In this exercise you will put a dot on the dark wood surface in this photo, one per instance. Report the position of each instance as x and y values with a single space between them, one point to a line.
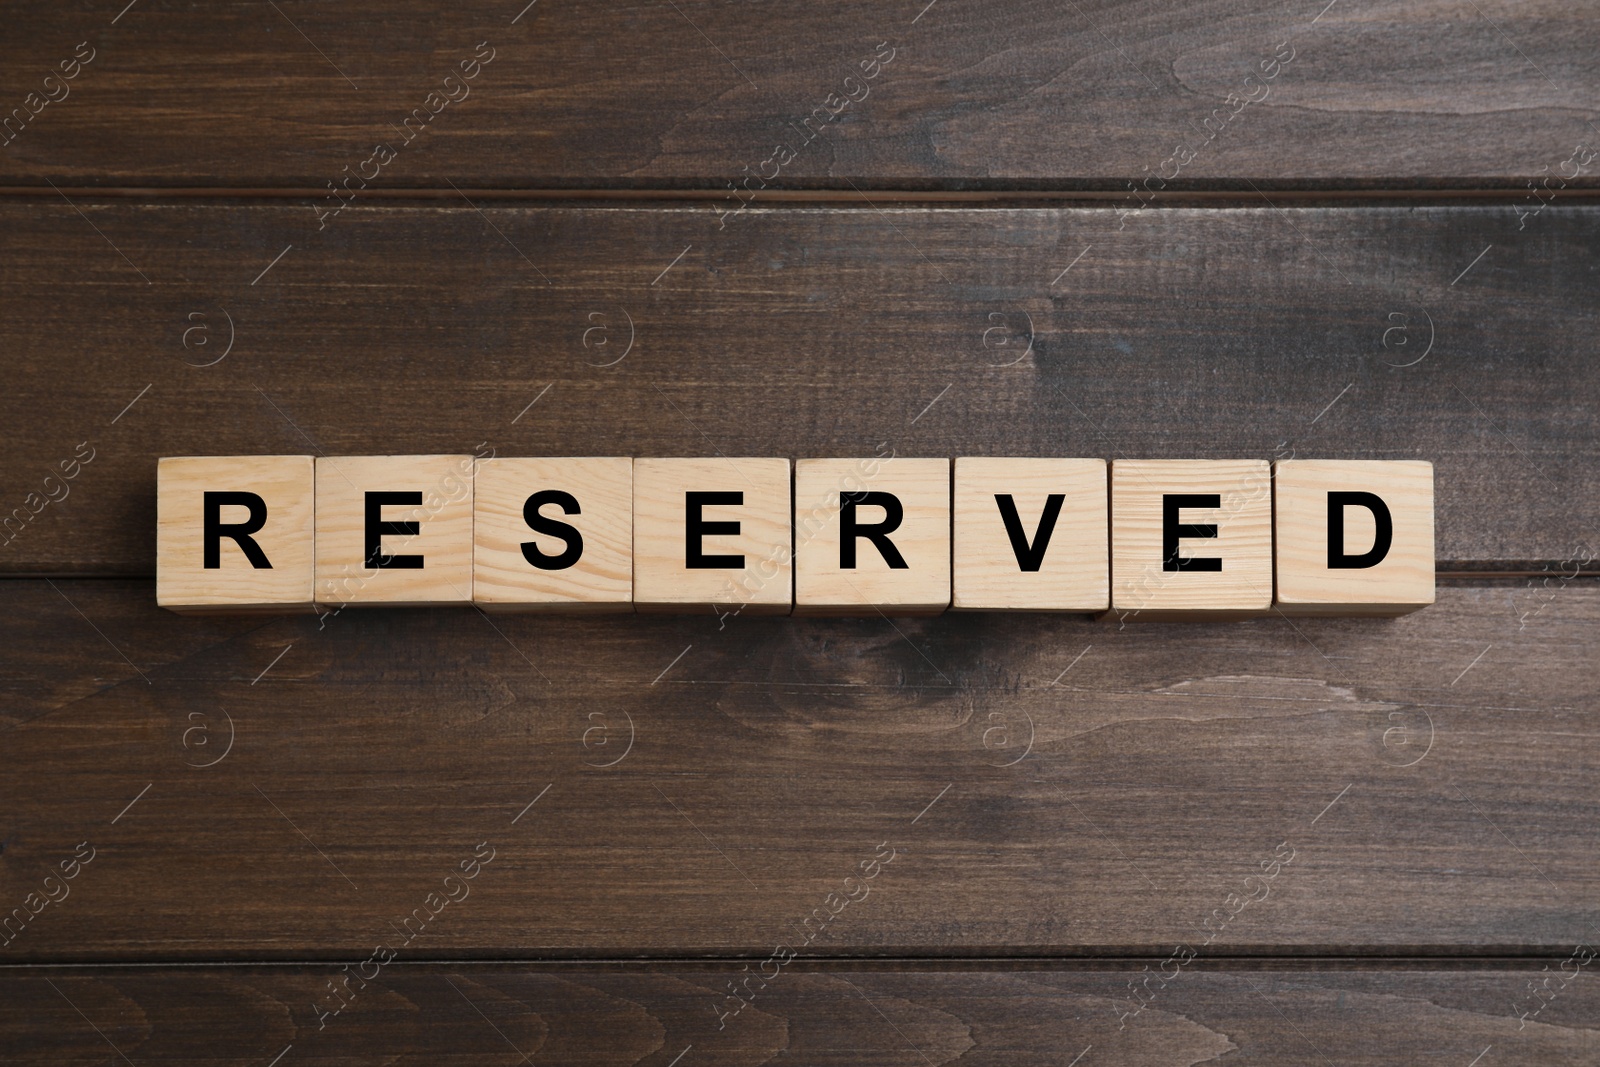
1047 786
842 1014
997 95
1362 841
1422 332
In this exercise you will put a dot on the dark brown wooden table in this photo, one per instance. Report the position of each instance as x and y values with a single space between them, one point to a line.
1346 230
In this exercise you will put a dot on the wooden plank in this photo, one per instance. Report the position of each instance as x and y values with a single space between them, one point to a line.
840 1014
972 784
1095 94
1356 333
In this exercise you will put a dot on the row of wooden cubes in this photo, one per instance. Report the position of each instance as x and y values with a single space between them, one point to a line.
1147 539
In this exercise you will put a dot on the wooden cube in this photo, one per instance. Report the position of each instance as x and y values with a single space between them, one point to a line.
712 534
1031 535
553 535
235 534
872 536
1354 537
394 531
1190 539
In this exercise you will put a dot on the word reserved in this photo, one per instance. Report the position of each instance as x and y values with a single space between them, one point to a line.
1145 539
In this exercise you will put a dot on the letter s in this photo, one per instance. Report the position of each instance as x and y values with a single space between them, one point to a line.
568 534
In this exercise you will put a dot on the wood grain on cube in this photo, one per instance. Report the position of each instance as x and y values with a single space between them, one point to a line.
1220 565
581 561
1384 563
897 561
430 566
1030 535
264 563
738 556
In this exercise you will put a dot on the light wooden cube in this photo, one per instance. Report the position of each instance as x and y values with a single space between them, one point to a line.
1190 538
360 499
261 530
892 564
712 534
1031 535
553 535
1364 574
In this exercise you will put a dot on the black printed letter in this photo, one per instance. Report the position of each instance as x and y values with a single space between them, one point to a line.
377 528
1337 559
696 528
1029 557
876 532
554 528
215 529
1172 531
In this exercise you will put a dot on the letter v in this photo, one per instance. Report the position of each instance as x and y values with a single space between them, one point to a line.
1029 556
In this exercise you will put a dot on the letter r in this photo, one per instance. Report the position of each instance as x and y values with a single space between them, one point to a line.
213 529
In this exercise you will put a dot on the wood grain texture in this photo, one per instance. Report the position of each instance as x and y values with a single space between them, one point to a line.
891 1013
1303 510
1230 516
284 535
428 518
747 524
704 795
1318 333
598 513
1070 554
678 786
863 570
1019 93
